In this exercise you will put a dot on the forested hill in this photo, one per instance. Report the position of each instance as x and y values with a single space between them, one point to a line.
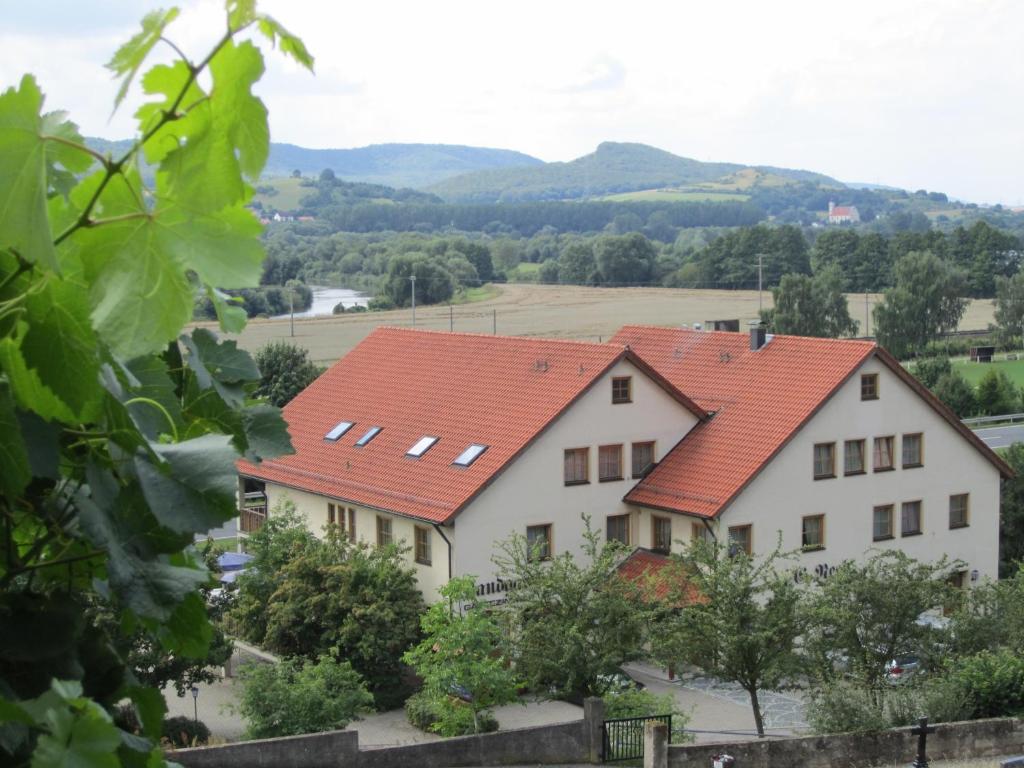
615 168
393 165
390 165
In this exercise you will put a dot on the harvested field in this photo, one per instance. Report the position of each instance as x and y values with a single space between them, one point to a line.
573 312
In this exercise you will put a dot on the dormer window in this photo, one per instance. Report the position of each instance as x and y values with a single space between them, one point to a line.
339 429
622 390
423 445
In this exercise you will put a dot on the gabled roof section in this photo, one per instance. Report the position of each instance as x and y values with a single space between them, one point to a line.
652 572
760 400
464 389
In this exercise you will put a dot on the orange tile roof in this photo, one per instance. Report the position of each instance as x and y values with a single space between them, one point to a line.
648 570
497 391
760 399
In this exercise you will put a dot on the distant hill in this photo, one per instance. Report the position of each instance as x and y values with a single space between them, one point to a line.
390 165
612 169
393 165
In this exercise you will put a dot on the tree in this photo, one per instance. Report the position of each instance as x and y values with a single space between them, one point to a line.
742 624
866 613
297 696
990 615
119 435
1009 311
811 306
624 259
928 370
997 394
434 283
577 265
924 302
1011 521
574 623
285 370
332 595
955 391
458 654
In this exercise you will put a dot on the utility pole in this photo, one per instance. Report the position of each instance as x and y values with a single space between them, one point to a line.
451 318
495 326
412 279
867 316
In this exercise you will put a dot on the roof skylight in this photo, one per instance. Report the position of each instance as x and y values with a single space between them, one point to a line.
469 455
422 446
371 433
339 429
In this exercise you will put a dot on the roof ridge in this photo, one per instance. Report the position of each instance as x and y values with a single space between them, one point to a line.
520 337
710 332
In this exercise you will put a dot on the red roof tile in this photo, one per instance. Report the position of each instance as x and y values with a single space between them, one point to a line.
648 570
497 391
760 399
842 210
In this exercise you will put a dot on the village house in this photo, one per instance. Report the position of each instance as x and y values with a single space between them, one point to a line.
452 442
842 214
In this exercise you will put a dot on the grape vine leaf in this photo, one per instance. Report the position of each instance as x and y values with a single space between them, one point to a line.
221 365
129 57
13 454
24 225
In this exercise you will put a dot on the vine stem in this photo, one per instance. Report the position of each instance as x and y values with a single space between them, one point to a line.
159 407
103 159
113 167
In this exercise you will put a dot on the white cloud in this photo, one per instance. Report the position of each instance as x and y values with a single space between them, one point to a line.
920 93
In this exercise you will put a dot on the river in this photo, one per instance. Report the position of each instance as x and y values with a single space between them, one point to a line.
325 299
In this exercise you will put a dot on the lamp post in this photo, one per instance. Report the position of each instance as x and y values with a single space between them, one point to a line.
195 703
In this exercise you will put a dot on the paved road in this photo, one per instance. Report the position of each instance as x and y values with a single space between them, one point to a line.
1001 437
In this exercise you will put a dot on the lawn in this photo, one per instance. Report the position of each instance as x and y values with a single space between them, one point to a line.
974 371
289 193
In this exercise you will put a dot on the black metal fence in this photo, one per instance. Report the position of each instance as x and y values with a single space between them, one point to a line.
623 738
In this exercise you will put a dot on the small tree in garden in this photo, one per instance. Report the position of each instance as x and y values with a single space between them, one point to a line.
459 658
285 370
737 619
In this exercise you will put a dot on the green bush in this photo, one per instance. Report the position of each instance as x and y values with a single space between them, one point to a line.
295 697
843 707
994 681
425 712
637 702
185 732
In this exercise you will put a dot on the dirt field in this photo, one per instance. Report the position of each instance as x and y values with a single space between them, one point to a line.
547 310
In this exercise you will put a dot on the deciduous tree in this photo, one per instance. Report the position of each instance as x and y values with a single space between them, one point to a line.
811 306
285 370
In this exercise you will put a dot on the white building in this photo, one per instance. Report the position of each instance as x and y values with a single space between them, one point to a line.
452 442
842 214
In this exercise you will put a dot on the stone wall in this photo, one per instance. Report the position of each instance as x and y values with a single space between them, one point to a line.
977 738
575 742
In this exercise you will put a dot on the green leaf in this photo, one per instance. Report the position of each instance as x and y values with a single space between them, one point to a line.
150 705
129 57
232 317
168 81
290 44
42 444
81 738
222 365
188 632
266 433
153 385
222 248
24 225
13 454
63 162
29 391
60 339
196 490
221 137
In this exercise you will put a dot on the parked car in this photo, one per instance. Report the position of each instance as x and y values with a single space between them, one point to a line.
902 668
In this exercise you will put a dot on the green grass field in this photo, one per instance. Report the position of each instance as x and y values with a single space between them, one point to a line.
676 196
289 193
974 371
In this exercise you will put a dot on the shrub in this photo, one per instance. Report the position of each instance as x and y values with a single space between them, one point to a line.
843 707
295 697
425 712
185 732
636 702
994 681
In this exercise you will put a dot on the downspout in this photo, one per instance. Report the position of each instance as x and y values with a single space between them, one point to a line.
440 532
710 529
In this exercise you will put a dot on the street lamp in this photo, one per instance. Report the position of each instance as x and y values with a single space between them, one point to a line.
195 703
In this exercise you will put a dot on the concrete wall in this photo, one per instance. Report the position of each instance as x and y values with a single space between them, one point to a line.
316 750
574 742
314 508
532 490
786 490
978 738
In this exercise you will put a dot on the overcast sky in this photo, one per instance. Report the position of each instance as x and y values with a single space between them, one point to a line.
917 94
